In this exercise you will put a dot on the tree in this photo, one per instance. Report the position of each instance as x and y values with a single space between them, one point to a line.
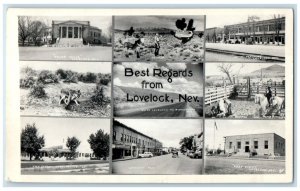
72 144
37 30
24 28
99 143
186 143
227 69
31 142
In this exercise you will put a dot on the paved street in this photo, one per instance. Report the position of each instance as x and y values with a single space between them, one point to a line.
228 165
64 167
95 53
164 164
247 53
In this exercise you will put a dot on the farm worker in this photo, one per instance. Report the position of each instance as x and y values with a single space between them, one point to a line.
157 46
269 95
229 111
140 44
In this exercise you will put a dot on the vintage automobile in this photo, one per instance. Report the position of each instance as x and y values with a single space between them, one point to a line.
196 155
145 155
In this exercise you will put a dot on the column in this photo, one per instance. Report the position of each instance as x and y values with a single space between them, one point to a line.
78 32
67 32
72 32
61 32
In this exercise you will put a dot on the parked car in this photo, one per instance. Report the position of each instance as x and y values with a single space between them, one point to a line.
196 155
146 155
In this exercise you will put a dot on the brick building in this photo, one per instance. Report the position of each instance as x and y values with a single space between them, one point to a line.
270 31
128 142
267 144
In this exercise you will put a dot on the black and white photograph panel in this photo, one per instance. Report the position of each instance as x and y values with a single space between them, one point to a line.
64 146
76 38
244 147
245 90
158 89
159 38
73 89
247 37
157 146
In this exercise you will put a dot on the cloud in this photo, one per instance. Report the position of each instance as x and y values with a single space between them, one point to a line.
118 69
176 66
117 82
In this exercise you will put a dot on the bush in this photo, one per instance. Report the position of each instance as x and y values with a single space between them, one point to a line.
88 77
99 96
47 77
27 82
67 76
38 91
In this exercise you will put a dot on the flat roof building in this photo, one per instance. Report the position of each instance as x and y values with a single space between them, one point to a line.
271 31
267 144
128 142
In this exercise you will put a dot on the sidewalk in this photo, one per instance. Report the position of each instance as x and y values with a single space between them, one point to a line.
247 158
276 51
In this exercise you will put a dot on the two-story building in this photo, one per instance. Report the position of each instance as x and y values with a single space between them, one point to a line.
128 142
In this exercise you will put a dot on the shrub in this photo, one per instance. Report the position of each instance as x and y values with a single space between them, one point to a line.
27 82
29 71
62 74
88 77
47 77
38 91
99 96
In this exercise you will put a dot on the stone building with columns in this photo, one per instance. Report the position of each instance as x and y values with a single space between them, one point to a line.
75 33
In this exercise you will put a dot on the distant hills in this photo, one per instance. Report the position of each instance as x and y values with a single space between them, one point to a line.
152 30
274 70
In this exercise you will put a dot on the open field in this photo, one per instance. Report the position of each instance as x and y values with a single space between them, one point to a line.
228 165
171 49
86 53
40 93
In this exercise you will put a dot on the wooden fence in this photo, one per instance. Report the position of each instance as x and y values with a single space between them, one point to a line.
245 90
214 94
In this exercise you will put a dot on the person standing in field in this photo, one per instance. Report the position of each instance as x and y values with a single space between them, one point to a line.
269 95
157 45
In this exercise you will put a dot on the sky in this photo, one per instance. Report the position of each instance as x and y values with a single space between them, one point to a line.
81 67
184 85
239 127
57 130
220 20
212 68
102 22
167 131
125 22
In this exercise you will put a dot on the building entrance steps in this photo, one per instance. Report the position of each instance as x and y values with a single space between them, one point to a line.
70 42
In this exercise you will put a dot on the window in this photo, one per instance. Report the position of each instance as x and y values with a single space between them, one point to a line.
122 137
239 145
255 144
247 142
266 144
114 135
230 145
